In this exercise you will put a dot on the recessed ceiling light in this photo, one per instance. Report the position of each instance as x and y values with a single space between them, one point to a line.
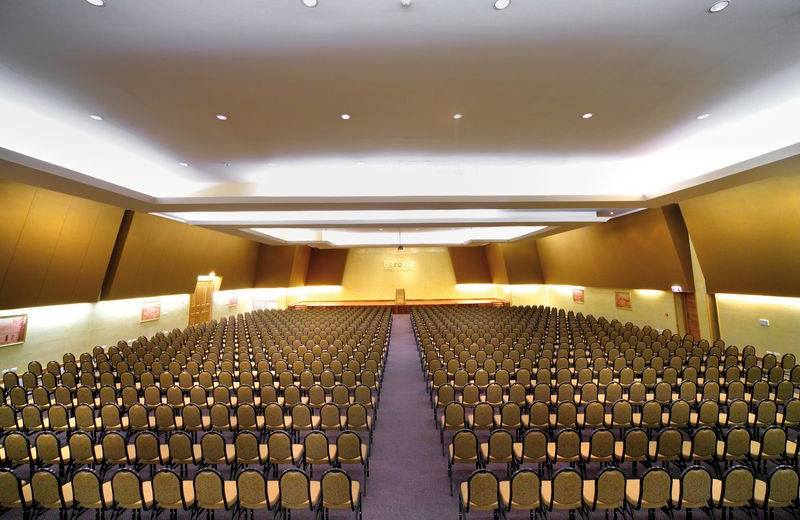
610 212
405 3
96 117
97 3
222 117
587 115
309 3
345 116
183 164
719 6
703 116
501 4
458 116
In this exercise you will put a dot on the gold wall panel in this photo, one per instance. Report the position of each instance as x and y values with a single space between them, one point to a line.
470 264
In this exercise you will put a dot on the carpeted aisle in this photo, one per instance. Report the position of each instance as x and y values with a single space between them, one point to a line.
408 474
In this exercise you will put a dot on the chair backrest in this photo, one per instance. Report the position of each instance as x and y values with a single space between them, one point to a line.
348 445
609 489
656 488
738 484
127 489
465 444
566 489
782 487
695 488
209 489
168 489
251 488
525 488
483 490
295 489
10 488
337 489
46 489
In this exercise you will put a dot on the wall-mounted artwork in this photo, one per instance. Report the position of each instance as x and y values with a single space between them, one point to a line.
13 329
577 295
623 300
233 300
151 311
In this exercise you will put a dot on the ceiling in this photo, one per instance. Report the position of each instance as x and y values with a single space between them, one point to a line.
158 73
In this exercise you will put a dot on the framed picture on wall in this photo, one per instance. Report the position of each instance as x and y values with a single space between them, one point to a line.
233 300
151 311
577 295
13 329
623 299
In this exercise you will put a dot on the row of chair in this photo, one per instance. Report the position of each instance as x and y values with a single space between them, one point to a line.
612 491
207 492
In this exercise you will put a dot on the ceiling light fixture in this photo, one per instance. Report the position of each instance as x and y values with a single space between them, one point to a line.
222 117
96 117
345 116
97 3
458 116
405 3
587 115
183 164
703 116
501 4
309 3
719 6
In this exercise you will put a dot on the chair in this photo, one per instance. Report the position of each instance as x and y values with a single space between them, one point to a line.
564 492
522 493
330 418
172 494
298 492
318 451
281 451
339 491
214 451
692 491
779 491
633 448
464 449
248 451
652 492
481 492
91 493
350 450
532 449
15 493
606 492
48 492
213 493
182 452
499 450
735 490
131 493
600 447
49 451
482 417
17 450
255 492
566 448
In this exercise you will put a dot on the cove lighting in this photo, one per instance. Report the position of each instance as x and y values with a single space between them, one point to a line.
428 237
649 292
719 6
758 299
96 117
501 4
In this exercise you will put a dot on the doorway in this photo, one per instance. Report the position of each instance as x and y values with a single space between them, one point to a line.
201 300
688 313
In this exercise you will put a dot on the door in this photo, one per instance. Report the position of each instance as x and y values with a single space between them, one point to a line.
691 322
200 302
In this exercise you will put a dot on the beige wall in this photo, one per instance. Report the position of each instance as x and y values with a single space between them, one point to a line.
738 322
79 327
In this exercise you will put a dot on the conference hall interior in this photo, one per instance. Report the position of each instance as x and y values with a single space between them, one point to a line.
399 259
